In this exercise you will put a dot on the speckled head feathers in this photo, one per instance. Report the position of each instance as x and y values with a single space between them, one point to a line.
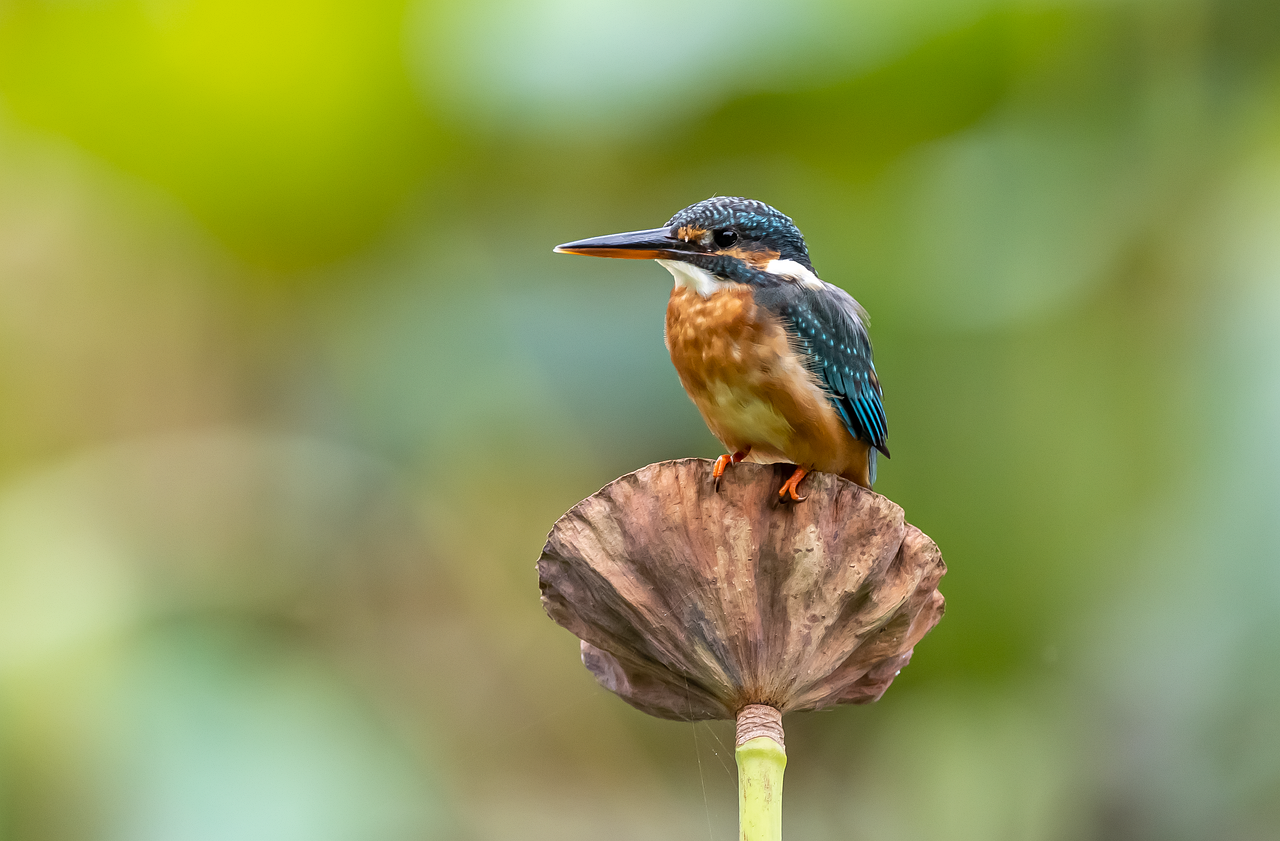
754 221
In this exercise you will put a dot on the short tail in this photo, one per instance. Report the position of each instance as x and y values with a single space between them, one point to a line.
871 466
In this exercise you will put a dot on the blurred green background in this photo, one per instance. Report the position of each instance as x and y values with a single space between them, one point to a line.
292 388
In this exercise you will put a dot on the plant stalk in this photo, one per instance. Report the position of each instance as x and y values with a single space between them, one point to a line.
761 760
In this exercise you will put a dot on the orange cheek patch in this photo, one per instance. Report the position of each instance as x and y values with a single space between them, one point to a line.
756 258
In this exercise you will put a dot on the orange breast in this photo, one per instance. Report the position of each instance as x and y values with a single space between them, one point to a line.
752 388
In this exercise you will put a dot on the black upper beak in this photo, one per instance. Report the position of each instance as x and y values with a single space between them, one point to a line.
654 244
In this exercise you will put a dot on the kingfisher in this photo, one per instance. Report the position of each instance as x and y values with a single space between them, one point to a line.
777 361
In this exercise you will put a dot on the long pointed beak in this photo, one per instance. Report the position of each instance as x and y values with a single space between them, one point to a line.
654 244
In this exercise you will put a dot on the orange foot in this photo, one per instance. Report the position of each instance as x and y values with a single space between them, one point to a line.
723 462
789 488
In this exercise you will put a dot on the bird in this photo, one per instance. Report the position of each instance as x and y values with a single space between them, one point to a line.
777 360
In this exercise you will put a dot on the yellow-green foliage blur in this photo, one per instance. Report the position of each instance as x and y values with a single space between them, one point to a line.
292 388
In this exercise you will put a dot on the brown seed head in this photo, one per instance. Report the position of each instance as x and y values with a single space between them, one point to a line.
692 604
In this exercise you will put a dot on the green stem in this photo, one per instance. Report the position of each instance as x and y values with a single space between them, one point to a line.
760 764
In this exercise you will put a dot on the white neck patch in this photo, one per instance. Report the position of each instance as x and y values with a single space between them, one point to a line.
692 277
792 269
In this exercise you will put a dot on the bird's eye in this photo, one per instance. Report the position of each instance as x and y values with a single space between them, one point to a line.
726 238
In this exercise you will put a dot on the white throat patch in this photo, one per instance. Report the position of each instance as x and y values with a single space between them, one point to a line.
692 277
705 284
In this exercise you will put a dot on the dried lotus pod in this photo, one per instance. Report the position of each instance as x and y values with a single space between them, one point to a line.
694 604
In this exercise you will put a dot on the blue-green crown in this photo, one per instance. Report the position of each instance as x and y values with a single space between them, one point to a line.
754 221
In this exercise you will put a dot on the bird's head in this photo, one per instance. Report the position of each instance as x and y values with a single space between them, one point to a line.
713 242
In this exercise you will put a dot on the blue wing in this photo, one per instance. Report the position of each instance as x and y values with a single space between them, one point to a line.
828 327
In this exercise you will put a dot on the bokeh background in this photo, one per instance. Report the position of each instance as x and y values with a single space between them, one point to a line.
292 388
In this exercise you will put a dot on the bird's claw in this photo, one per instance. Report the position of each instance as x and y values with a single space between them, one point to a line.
789 492
723 462
717 469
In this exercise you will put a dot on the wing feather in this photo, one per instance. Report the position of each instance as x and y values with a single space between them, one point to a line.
829 328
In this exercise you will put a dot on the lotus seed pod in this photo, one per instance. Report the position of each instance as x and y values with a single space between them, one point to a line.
693 604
